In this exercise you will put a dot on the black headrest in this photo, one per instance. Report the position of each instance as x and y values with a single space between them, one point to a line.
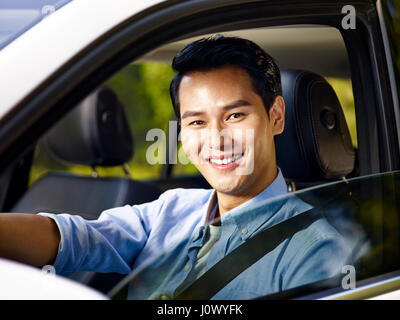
94 133
316 143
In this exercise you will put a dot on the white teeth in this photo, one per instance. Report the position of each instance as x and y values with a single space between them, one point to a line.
226 160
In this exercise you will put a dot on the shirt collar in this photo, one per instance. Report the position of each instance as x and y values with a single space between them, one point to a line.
250 221
276 188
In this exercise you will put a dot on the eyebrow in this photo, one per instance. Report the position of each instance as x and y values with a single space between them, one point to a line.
233 105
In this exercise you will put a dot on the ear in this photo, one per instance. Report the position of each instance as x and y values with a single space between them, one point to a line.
277 115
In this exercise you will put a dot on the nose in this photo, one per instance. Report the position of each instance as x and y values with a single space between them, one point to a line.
219 137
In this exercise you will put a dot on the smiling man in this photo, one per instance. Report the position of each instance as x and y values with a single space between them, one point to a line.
227 96
223 100
226 93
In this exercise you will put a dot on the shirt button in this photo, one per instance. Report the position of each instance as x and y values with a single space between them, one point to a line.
187 267
244 231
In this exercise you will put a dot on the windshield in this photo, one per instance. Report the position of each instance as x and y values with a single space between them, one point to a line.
318 238
16 17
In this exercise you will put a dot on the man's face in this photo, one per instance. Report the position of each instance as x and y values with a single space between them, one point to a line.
226 131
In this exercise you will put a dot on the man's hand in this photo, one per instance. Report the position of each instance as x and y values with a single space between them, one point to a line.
28 238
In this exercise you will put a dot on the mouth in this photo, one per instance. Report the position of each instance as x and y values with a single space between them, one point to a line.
225 162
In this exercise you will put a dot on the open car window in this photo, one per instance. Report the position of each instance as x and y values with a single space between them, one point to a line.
354 237
143 90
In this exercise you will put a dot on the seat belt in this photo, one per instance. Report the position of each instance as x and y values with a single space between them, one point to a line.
241 258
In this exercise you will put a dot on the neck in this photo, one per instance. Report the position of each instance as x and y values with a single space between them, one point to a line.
227 202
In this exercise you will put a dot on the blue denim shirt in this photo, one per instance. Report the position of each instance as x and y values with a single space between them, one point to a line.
160 241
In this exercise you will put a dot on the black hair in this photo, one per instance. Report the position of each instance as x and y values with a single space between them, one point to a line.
218 51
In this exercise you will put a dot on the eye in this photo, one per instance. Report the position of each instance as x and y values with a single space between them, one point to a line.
235 115
196 123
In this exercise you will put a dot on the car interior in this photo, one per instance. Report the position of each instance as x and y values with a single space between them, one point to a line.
316 146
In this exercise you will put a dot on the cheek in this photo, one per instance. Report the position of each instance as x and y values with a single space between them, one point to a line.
264 145
253 137
263 140
191 143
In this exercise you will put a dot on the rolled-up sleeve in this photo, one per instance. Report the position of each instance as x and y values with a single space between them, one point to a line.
109 244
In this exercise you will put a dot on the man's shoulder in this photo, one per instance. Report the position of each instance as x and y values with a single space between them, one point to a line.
319 230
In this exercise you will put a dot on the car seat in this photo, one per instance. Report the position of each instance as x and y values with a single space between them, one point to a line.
315 146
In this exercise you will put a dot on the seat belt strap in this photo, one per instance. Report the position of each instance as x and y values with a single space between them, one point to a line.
241 258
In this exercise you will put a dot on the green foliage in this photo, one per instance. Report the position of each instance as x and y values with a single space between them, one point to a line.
344 92
144 92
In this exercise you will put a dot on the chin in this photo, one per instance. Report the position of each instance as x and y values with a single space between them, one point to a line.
228 187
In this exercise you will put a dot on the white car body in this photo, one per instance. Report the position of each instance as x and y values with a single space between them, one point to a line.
22 282
45 48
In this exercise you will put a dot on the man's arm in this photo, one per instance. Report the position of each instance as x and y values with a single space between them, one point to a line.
28 238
